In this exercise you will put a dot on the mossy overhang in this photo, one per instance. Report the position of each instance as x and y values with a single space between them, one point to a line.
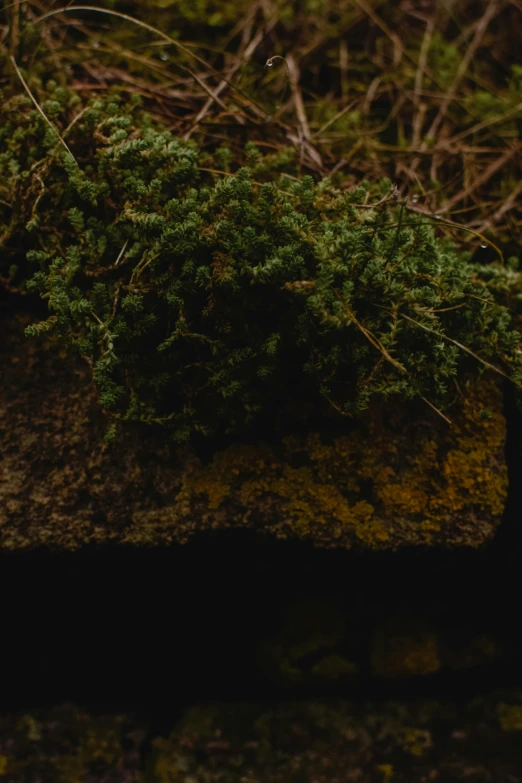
417 482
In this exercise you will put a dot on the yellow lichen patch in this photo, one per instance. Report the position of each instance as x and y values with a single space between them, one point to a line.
373 534
332 462
510 716
215 480
414 741
101 744
468 477
257 471
167 766
402 648
410 495
436 479
415 482
306 500
386 771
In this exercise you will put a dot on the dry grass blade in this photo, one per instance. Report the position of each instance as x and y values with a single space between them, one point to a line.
370 337
122 251
459 345
445 222
421 68
482 178
490 12
377 344
38 107
15 26
186 50
506 206
250 49
293 72
398 49
437 411
303 140
333 119
482 125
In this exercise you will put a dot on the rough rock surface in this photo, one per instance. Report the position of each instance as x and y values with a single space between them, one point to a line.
382 485
310 741
68 745
343 742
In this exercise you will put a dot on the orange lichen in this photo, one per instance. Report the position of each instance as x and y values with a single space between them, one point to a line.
216 480
376 486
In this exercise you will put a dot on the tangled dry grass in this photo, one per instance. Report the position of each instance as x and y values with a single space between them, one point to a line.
428 94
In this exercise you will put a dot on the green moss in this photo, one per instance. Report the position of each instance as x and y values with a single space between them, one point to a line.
381 133
199 299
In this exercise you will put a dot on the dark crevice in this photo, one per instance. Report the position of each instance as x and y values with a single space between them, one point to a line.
506 547
153 630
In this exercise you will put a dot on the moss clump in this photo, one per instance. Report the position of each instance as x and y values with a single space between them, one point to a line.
200 299
404 648
304 651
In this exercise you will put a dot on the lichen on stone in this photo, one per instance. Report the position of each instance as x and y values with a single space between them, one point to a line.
375 486
380 485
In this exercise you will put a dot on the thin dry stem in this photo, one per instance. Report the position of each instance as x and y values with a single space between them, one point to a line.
490 12
39 108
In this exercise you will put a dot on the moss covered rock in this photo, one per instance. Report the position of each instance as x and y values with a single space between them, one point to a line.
309 359
422 741
69 745
385 483
209 303
307 740
379 486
